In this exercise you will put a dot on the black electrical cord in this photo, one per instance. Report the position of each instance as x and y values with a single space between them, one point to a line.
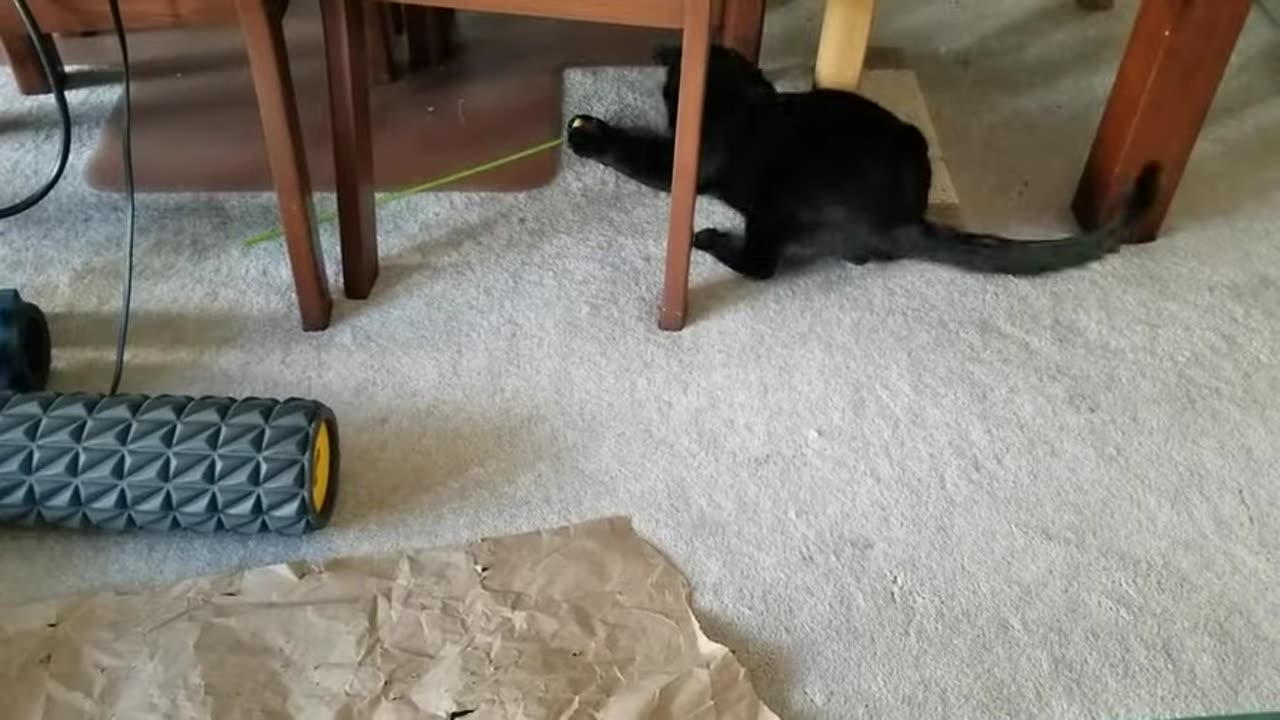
126 301
64 154
64 114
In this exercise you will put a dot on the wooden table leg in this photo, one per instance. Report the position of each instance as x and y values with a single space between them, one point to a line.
260 21
741 27
345 54
842 45
695 52
28 73
1176 56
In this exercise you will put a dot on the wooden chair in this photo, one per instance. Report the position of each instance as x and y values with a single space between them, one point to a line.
345 40
261 23
408 39
428 34
28 74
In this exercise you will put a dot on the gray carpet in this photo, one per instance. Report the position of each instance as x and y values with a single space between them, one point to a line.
899 490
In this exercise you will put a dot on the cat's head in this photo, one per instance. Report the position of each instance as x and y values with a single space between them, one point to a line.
734 84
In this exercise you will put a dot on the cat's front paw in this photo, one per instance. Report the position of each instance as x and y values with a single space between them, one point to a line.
588 136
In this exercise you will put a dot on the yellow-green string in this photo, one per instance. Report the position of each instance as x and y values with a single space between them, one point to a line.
327 217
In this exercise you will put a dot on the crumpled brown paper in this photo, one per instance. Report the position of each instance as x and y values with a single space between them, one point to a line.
587 621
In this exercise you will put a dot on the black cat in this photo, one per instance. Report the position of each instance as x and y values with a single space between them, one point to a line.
830 171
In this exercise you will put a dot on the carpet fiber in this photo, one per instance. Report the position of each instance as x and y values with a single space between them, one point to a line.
898 490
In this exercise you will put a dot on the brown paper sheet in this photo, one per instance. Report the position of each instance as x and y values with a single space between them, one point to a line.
588 621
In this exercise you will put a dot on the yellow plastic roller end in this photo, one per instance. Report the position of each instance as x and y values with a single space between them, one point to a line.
320 469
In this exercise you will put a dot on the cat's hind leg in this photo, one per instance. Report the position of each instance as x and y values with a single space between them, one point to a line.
859 244
754 254
862 256
643 156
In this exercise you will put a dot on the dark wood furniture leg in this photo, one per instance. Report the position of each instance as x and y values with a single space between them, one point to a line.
260 21
28 74
430 34
742 26
1176 56
347 60
1096 4
380 39
696 49
395 11
442 25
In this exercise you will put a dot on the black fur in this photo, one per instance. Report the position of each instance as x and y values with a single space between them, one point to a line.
830 171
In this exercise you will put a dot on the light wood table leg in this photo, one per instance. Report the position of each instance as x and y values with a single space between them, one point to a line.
842 48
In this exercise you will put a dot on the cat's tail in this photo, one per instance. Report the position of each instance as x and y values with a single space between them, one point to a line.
997 254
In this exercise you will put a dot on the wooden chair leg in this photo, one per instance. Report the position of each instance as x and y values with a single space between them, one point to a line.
380 41
430 34
347 58
695 51
442 24
269 62
395 14
742 26
1175 58
28 73
842 46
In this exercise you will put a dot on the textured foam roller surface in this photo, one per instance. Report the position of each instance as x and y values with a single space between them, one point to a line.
166 462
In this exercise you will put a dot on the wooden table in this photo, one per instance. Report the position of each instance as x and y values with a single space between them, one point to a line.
1171 69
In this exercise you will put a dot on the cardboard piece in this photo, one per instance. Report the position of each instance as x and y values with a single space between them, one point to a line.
588 621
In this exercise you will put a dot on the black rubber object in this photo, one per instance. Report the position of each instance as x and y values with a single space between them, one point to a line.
122 462
24 344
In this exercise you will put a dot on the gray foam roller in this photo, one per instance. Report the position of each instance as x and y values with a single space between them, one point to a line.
122 462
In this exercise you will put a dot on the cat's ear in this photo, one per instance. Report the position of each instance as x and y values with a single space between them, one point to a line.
667 55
